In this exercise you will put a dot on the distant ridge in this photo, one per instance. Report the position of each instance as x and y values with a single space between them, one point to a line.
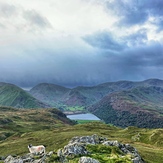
12 95
61 97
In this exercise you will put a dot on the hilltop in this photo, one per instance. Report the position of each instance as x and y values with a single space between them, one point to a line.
12 95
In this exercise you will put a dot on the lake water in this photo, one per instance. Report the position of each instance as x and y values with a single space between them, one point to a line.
87 116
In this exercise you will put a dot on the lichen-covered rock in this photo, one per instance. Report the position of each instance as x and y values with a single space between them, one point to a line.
74 149
93 139
87 160
77 146
11 159
126 149
112 143
28 158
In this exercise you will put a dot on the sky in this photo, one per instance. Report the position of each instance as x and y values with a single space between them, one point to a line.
80 42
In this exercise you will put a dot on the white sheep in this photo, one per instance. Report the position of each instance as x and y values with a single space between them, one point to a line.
36 149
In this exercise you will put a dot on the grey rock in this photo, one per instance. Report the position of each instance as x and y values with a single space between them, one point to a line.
126 149
112 143
94 139
87 160
26 158
137 160
11 159
74 149
50 153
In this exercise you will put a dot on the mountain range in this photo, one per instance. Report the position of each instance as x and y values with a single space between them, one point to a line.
81 96
122 103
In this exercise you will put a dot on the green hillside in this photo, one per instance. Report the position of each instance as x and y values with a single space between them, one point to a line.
11 95
49 93
141 106
14 122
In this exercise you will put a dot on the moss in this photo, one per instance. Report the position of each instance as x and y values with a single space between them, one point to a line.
107 154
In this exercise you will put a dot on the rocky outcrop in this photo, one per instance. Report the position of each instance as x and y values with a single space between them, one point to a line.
93 139
77 146
28 158
126 149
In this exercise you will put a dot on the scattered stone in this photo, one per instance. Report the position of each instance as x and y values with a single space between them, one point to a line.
87 160
50 153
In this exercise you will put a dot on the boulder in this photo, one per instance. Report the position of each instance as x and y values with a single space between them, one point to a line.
126 149
87 160
11 159
26 158
74 149
93 139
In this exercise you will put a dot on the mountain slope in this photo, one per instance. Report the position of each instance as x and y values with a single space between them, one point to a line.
141 106
11 95
49 93
14 120
80 97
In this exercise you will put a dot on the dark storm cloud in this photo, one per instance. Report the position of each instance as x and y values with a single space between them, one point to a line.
34 18
154 7
136 12
65 67
136 63
136 38
150 55
72 68
139 59
104 40
130 12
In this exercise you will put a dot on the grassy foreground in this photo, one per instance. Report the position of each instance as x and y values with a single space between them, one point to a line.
147 142
18 128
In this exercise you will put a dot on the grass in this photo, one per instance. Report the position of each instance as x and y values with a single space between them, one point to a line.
107 154
18 128
85 121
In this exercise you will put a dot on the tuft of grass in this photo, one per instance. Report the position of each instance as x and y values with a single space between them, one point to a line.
107 154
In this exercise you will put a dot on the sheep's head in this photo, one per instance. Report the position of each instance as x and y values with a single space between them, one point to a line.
30 145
